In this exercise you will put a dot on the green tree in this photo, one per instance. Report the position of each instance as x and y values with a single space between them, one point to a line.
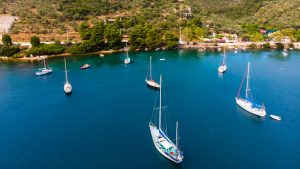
113 37
171 40
266 45
153 38
297 35
9 50
277 36
279 46
97 36
138 36
6 40
256 37
35 41
85 31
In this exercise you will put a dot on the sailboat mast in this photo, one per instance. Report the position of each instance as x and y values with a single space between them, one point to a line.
126 50
180 34
150 68
248 80
177 134
159 124
224 57
44 63
66 73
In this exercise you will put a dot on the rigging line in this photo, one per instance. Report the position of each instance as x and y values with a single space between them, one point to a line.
147 72
242 82
154 108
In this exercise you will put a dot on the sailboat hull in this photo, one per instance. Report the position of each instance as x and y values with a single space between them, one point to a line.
164 145
127 61
68 88
248 106
43 71
222 68
152 84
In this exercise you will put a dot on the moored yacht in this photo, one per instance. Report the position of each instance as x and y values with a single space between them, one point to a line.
44 70
160 139
67 85
222 68
248 102
149 81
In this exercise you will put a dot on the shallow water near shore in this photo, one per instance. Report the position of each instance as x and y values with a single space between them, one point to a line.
104 123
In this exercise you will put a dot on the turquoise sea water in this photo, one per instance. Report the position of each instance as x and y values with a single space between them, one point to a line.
104 123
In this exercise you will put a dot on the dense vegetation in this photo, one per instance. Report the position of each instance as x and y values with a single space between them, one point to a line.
8 49
151 23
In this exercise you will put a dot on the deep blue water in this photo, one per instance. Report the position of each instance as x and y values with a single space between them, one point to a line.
104 124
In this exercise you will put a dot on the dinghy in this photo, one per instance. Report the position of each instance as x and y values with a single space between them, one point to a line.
275 117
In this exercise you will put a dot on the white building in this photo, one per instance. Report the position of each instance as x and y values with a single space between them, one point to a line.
6 22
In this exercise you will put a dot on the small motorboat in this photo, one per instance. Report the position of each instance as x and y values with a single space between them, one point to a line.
101 55
235 50
162 59
85 66
285 54
274 117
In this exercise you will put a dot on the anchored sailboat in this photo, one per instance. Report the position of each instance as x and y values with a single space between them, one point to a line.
127 59
67 85
248 103
45 70
222 68
161 141
150 81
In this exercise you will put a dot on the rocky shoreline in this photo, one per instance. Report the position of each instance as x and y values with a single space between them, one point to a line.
202 47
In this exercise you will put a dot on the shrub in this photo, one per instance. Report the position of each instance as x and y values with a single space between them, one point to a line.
46 49
279 46
17 55
9 50
291 45
6 40
266 45
252 46
35 41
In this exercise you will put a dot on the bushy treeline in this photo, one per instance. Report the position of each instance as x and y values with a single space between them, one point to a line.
8 49
109 36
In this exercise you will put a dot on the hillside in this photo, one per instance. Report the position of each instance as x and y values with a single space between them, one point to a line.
52 19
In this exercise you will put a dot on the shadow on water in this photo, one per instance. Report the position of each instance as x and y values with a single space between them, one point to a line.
152 88
249 115
168 162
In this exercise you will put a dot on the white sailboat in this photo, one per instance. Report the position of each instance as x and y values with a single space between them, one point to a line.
222 68
161 141
67 85
44 70
285 53
127 59
149 80
248 102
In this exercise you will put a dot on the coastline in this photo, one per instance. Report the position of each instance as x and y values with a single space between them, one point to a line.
201 47
37 58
